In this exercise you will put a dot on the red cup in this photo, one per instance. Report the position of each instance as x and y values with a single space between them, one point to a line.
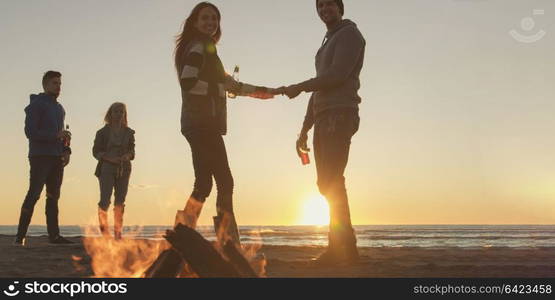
305 159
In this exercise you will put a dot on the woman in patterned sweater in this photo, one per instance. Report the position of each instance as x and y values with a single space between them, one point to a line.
204 115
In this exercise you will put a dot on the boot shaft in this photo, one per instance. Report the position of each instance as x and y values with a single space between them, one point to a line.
103 222
118 220
190 214
226 228
342 246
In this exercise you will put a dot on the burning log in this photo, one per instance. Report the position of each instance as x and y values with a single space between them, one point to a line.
238 260
199 253
169 264
191 253
228 235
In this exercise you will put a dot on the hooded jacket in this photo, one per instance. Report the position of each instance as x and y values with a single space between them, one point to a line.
44 118
338 64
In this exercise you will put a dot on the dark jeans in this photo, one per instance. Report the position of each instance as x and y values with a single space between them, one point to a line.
49 171
111 181
210 160
333 131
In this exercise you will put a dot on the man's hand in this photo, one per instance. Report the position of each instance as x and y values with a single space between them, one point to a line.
279 91
301 143
63 134
293 91
65 158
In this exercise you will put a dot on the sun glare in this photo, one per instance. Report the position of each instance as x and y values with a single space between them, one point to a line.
315 211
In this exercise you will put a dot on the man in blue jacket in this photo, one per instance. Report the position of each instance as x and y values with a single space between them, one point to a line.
49 153
333 111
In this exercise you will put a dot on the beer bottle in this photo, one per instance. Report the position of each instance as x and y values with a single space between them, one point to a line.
235 76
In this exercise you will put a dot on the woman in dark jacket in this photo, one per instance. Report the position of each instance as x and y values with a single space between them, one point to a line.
114 148
204 115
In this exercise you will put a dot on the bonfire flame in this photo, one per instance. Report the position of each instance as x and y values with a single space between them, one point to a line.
131 257
125 258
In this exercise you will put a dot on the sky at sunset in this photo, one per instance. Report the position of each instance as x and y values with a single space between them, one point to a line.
457 114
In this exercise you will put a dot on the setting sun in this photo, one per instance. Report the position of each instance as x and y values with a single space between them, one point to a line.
315 211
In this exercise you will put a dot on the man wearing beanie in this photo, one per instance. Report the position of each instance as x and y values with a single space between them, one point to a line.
333 111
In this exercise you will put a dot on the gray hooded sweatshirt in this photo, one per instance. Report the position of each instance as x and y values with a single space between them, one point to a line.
338 65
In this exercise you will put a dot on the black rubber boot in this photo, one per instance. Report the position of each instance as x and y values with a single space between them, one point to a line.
342 248
349 246
330 256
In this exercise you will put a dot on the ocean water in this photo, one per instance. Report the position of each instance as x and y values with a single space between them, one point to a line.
428 236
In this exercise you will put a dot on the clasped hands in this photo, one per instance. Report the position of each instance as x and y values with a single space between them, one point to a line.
265 93
291 91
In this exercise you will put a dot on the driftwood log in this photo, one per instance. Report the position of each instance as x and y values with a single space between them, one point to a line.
168 265
189 247
199 253
238 260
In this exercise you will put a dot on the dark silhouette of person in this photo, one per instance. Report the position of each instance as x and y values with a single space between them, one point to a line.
333 111
114 148
204 83
49 154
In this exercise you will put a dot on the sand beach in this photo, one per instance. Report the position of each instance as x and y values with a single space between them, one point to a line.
39 259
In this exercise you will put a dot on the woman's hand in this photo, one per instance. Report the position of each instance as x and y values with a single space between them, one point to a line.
232 85
265 93
114 160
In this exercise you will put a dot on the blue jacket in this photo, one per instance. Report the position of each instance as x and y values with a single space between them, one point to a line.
44 118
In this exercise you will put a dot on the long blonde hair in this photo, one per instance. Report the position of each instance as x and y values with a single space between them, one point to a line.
108 116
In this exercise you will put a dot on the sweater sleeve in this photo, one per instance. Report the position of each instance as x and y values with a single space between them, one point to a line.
98 146
240 88
189 76
309 116
349 47
32 128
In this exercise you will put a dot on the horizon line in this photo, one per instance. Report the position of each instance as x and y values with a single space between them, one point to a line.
319 225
